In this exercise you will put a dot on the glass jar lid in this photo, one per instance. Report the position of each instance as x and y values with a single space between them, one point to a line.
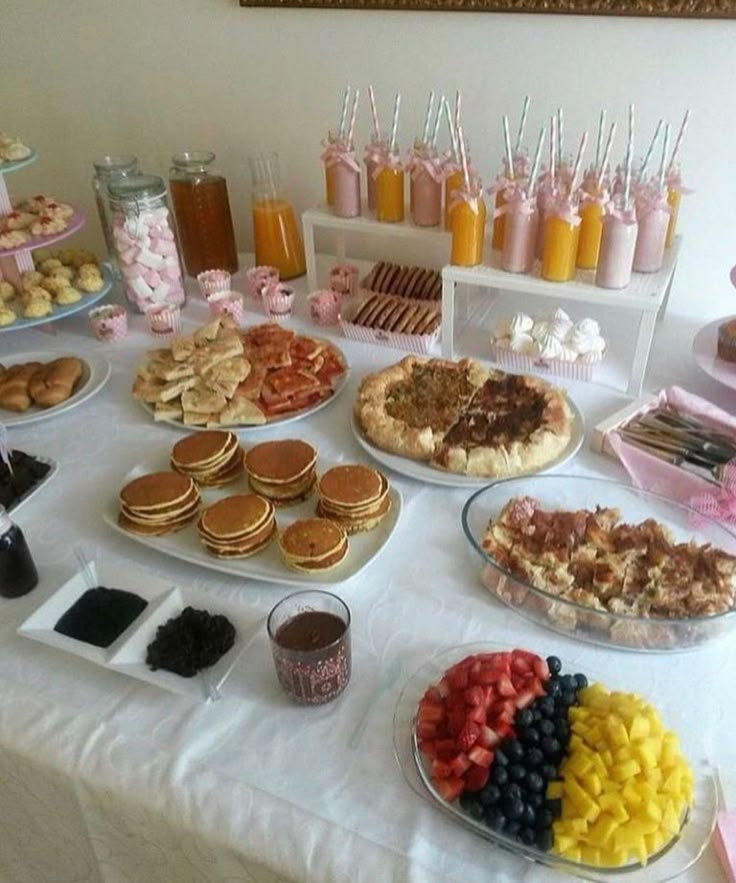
137 189
193 159
115 163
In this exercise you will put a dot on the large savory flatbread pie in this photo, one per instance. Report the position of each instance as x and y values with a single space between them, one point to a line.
463 418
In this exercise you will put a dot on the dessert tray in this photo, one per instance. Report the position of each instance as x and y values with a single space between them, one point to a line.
598 626
15 165
75 223
706 357
266 565
62 312
24 498
429 474
95 374
127 654
674 858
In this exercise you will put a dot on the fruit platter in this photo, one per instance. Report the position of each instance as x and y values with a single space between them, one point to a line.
553 764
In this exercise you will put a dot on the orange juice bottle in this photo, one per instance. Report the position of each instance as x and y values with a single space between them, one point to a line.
468 229
674 196
453 182
390 191
278 242
590 232
561 235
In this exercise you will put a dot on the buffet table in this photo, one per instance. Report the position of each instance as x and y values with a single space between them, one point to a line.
107 779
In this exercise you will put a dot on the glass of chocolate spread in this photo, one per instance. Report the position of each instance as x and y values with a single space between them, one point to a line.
310 642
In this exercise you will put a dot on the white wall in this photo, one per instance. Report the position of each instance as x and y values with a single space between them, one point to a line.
88 77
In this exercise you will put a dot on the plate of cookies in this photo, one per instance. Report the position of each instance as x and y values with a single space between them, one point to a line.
35 222
273 513
35 386
250 378
61 283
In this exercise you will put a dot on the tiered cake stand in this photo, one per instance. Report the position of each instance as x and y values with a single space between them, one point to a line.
15 261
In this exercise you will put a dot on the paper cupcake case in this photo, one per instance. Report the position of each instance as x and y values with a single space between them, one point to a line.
560 367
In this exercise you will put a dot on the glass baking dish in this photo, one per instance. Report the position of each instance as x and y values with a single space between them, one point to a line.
572 492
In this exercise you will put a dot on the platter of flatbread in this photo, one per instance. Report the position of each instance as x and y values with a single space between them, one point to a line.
222 375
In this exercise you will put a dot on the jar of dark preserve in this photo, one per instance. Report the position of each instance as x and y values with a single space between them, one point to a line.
18 574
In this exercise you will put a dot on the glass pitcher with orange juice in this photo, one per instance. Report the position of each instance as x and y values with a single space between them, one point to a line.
468 226
278 242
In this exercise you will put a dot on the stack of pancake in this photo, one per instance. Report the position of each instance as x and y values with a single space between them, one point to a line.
212 458
355 497
313 545
282 471
158 503
238 526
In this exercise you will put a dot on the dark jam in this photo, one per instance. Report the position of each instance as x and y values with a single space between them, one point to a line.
311 630
18 574
100 616
27 473
190 642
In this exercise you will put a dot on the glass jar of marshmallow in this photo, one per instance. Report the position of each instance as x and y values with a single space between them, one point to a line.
145 242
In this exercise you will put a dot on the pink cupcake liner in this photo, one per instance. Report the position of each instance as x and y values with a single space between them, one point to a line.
344 279
324 307
212 281
164 322
109 323
230 305
278 301
257 278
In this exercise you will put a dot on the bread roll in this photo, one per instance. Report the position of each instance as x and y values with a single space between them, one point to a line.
53 383
14 394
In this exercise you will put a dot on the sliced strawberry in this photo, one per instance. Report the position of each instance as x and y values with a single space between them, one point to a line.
468 736
456 699
488 737
433 695
426 729
458 678
488 675
443 688
475 696
541 669
480 756
505 687
456 721
507 711
459 765
431 711
445 748
476 714
538 688
441 769
450 789
525 698
476 778
489 696
428 747
503 729
501 662
520 665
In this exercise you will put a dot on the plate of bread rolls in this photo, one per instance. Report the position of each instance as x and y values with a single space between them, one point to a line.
35 386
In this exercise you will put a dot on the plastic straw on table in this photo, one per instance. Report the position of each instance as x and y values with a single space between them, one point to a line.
374 114
353 116
650 150
344 113
428 118
678 142
599 142
522 125
395 123
507 147
535 164
663 161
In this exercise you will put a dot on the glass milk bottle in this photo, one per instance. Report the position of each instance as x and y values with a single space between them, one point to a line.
618 241
561 235
345 184
202 210
520 235
468 227
389 176
278 242
425 182
653 217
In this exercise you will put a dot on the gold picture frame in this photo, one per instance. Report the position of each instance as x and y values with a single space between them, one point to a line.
640 8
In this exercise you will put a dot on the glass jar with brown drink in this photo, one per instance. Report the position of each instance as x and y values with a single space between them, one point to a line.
202 210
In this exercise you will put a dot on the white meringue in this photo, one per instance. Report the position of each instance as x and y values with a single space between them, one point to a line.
549 347
521 343
567 354
591 357
583 340
539 329
560 328
502 327
561 315
521 323
588 326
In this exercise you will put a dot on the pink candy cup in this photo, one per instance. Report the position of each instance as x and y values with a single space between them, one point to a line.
257 278
229 305
278 301
344 279
164 322
109 324
213 281
324 307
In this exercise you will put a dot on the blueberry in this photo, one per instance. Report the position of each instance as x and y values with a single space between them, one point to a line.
475 808
525 718
548 771
513 792
514 809
514 749
535 783
568 698
567 682
547 706
466 798
537 715
530 816
501 758
555 807
544 819
554 665
490 795
551 746
545 839
547 728
562 731
495 819
529 736
499 775
534 758
512 828
535 800
527 836
581 681
553 688
517 773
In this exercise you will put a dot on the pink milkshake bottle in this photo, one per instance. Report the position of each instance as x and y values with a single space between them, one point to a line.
522 219
653 216
426 188
618 241
346 173
375 154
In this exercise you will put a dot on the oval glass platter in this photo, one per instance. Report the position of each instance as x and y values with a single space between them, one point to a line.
675 858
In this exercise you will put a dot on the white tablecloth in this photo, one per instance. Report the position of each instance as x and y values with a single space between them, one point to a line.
103 778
